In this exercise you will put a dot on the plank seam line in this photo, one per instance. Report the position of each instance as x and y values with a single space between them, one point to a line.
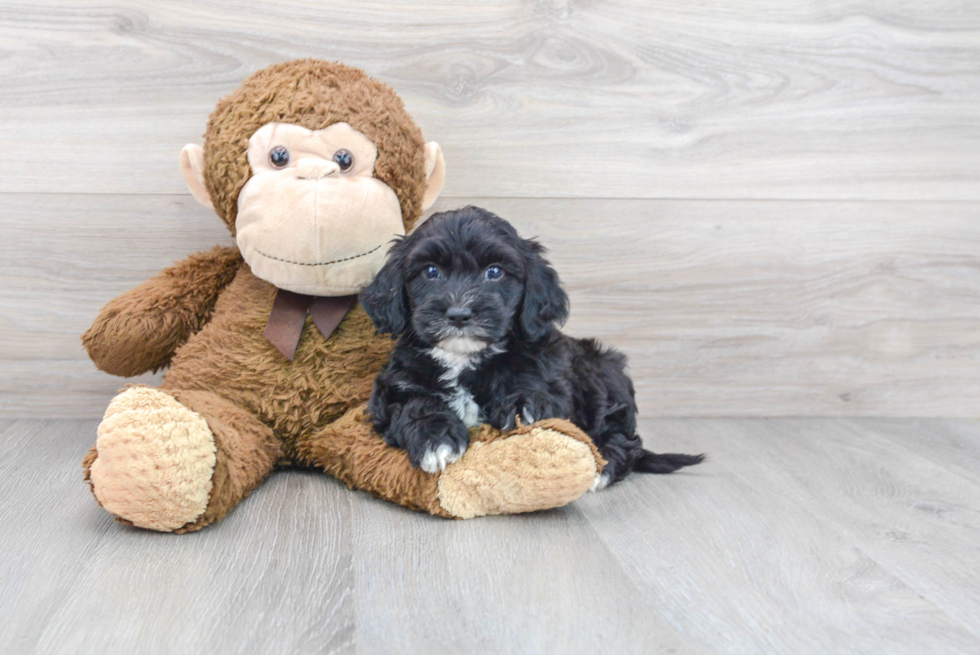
824 199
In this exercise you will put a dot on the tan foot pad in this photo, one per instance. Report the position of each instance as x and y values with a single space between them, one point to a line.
538 468
155 460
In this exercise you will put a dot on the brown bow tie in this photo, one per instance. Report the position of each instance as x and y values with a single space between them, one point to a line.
288 316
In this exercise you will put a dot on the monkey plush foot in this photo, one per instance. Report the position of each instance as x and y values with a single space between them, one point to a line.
153 461
541 466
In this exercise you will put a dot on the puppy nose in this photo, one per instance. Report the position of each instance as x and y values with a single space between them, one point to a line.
459 315
315 169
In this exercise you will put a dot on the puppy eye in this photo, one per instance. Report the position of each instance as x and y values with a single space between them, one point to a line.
344 159
279 157
430 272
494 273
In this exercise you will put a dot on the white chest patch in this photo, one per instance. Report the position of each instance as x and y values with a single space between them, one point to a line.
459 398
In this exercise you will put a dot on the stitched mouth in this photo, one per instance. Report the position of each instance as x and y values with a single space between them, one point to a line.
335 261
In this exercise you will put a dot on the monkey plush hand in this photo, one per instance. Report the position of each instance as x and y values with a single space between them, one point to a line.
315 168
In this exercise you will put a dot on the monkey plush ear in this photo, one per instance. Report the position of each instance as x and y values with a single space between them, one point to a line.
385 300
435 174
192 166
545 303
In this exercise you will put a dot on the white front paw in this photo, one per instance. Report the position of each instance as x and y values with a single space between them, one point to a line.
527 416
601 482
434 461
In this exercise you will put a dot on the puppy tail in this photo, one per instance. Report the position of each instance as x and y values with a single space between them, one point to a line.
665 462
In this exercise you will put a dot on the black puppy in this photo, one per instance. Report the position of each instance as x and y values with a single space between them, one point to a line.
476 308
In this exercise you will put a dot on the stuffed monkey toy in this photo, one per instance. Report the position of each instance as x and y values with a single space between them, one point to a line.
314 167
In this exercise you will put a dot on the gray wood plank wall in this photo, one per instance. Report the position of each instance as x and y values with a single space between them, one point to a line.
772 207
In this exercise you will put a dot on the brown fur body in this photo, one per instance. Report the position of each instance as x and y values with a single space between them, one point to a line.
326 378
265 411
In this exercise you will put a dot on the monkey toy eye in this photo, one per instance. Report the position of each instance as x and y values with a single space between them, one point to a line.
430 272
494 273
344 159
279 157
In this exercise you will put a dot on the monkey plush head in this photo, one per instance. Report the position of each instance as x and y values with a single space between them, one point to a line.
315 167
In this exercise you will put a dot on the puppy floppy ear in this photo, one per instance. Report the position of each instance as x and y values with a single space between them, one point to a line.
545 303
385 299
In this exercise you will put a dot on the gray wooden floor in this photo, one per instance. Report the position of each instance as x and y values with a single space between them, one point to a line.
797 536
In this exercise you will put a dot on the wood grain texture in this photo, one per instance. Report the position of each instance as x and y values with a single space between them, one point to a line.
539 583
275 579
792 521
950 443
797 535
773 99
724 308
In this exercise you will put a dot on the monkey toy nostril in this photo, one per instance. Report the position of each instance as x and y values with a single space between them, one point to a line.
459 315
316 170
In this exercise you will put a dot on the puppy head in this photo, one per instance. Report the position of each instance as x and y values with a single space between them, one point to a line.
464 279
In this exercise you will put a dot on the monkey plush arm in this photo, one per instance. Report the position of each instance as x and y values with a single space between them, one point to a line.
140 330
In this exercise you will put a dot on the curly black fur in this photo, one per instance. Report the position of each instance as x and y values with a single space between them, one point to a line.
477 309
